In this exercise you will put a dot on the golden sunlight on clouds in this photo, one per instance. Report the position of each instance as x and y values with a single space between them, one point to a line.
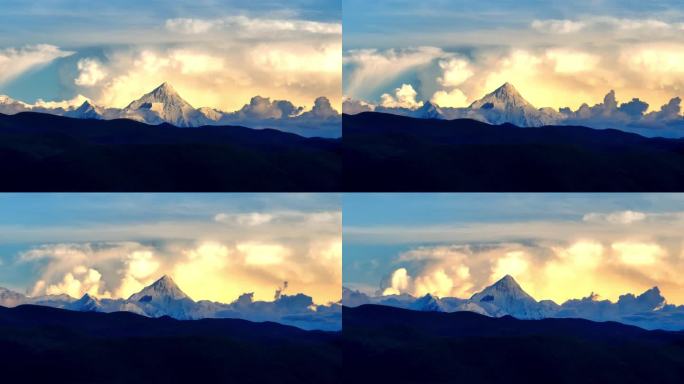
555 76
209 78
638 253
260 254
512 263
555 272
219 258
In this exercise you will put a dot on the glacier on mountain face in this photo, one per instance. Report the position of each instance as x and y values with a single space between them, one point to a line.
505 297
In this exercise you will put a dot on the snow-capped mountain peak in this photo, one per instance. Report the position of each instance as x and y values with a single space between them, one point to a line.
506 297
506 105
164 104
429 111
427 303
86 303
164 288
87 110
503 288
506 96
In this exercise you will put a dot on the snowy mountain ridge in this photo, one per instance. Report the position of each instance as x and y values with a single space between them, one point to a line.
165 105
165 298
506 298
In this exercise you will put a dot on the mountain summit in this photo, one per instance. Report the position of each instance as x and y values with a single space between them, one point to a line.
507 105
507 297
164 288
504 97
164 104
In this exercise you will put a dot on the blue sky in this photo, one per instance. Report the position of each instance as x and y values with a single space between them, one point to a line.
557 53
557 245
397 23
129 41
214 245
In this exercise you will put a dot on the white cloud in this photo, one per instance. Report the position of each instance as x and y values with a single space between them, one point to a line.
404 97
568 61
245 25
80 281
90 72
218 257
225 77
371 68
248 219
398 282
261 254
16 61
620 217
454 72
546 269
638 253
191 26
558 26
452 99
65 104
97 269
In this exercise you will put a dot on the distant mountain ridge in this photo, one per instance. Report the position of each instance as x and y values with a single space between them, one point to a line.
165 105
505 105
505 297
165 298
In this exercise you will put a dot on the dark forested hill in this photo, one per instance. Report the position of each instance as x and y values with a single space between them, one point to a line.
392 345
41 152
384 152
42 344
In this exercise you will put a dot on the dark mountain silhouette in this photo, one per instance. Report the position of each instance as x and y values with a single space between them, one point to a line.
393 345
384 152
41 344
41 152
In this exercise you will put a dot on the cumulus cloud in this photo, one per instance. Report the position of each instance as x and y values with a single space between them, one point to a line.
403 97
263 108
454 72
221 69
557 75
16 61
352 106
631 114
450 99
323 109
90 72
218 259
547 270
97 269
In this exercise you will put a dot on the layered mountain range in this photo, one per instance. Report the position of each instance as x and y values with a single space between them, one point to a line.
507 105
165 105
165 298
648 310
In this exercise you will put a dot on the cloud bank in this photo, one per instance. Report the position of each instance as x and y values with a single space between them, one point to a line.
225 256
